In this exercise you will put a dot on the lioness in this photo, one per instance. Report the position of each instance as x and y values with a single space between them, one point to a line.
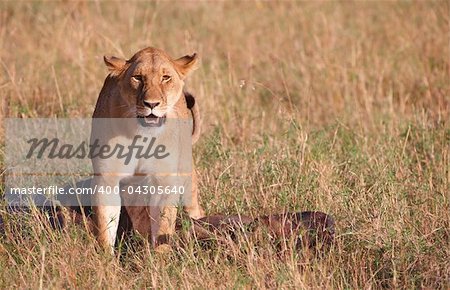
147 88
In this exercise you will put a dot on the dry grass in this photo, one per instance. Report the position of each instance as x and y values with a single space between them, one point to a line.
339 107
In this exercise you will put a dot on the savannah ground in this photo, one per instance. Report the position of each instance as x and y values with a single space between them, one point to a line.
338 107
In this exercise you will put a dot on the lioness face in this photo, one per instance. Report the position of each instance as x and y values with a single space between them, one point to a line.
151 83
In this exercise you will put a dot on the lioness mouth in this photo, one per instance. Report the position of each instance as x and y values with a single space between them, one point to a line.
151 120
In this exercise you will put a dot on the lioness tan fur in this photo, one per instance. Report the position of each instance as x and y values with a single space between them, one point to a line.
148 86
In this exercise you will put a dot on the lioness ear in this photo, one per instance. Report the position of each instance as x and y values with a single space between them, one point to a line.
187 64
114 64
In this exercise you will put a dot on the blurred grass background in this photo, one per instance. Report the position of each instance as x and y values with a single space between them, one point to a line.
341 107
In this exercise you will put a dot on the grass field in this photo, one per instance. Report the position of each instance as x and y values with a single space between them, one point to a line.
338 107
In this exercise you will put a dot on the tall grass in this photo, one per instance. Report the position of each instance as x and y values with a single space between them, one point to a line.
339 107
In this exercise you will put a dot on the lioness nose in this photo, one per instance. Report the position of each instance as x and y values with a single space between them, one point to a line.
151 105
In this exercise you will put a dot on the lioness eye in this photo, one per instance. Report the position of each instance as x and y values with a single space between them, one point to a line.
137 78
166 78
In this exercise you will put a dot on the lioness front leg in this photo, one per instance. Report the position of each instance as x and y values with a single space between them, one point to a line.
163 217
194 208
162 226
106 211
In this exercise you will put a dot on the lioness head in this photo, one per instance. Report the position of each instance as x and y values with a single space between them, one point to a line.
151 83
